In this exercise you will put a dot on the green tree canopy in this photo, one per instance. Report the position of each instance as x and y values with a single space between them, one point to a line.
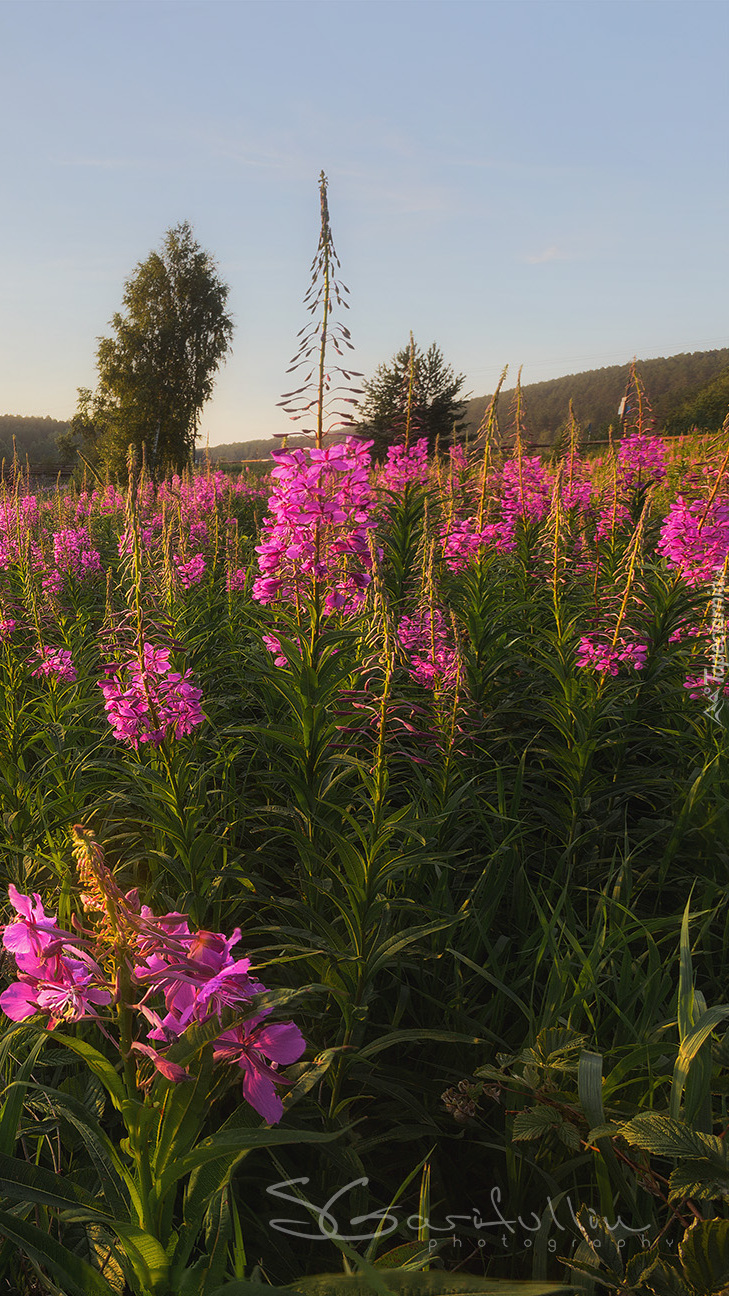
157 370
421 380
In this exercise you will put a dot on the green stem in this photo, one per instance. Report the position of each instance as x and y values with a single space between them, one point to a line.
126 1039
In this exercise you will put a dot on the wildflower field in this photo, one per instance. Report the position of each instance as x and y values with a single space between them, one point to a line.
365 846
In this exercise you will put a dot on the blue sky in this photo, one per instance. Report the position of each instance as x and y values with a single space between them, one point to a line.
535 183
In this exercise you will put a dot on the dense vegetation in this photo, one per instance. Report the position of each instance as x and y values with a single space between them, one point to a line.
448 744
687 391
31 438
674 382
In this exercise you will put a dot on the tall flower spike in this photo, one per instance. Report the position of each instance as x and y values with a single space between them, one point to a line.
317 395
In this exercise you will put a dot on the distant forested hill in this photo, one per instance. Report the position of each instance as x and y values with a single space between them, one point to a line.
35 439
236 450
687 390
677 383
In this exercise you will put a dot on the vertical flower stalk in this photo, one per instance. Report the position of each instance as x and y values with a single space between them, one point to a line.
557 514
489 429
632 556
318 339
519 433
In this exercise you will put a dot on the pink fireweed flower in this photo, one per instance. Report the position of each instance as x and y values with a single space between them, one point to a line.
706 685
315 533
258 1048
53 582
190 573
6 629
199 979
199 533
193 972
641 459
699 550
66 988
404 466
32 932
57 976
54 663
274 646
461 544
148 705
237 579
608 658
433 659
74 555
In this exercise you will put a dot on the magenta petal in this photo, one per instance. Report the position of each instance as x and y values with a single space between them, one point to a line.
260 1092
170 1070
19 1001
23 904
282 1042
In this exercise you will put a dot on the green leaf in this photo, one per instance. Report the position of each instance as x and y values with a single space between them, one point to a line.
13 1105
698 1180
668 1137
402 1036
25 1181
534 1122
100 1066
589 1081
406 1282
704 1255
184 1109
117 1182
663 1279
231 1143
74 1275
599 1237
690 1048
589 1087
210 1269
409 1255
206 1183
685 1005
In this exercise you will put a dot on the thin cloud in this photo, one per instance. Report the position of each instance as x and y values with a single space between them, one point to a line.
552 253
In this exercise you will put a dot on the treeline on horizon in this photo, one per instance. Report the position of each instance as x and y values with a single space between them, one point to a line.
685 391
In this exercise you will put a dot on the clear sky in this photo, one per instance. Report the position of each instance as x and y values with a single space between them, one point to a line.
533 182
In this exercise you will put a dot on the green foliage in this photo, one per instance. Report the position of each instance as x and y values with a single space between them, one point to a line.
35 439
422 382
477 896
705 411
157 371
673 383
